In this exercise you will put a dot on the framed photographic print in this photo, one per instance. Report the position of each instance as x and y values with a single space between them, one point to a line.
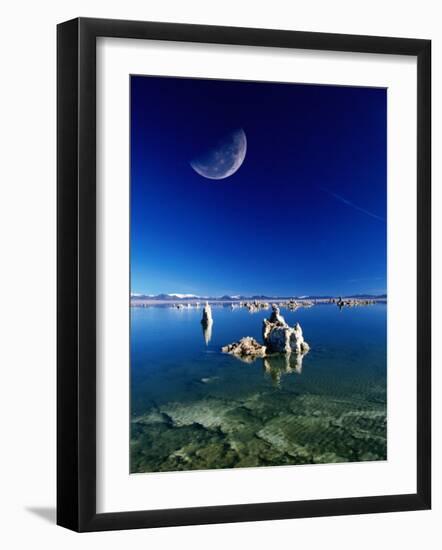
243 274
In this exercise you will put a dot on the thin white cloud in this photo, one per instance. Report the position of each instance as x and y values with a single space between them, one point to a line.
351 204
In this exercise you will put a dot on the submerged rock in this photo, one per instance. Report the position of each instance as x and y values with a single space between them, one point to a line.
209 379
247 349
260 428
279 337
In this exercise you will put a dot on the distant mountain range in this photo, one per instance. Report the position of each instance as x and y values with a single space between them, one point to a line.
226 298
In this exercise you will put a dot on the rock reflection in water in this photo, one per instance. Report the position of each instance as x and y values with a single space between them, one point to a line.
207 332
207 323
275 365
278 365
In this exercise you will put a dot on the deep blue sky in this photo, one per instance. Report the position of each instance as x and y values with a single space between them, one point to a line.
305 213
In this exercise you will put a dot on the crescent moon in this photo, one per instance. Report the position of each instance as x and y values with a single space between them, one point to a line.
224 159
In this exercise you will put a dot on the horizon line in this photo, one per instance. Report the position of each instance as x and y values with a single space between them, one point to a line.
220 295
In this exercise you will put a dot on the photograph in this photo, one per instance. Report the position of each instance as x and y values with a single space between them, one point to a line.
221 230
258 274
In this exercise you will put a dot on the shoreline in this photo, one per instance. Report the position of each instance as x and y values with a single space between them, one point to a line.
281 302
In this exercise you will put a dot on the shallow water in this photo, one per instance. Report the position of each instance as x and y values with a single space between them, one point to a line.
193 407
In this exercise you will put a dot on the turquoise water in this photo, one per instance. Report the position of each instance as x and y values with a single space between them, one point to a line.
193 407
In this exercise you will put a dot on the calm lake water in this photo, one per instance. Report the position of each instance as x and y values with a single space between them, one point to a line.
193 407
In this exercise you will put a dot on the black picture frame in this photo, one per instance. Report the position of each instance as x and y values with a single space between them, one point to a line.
76 274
